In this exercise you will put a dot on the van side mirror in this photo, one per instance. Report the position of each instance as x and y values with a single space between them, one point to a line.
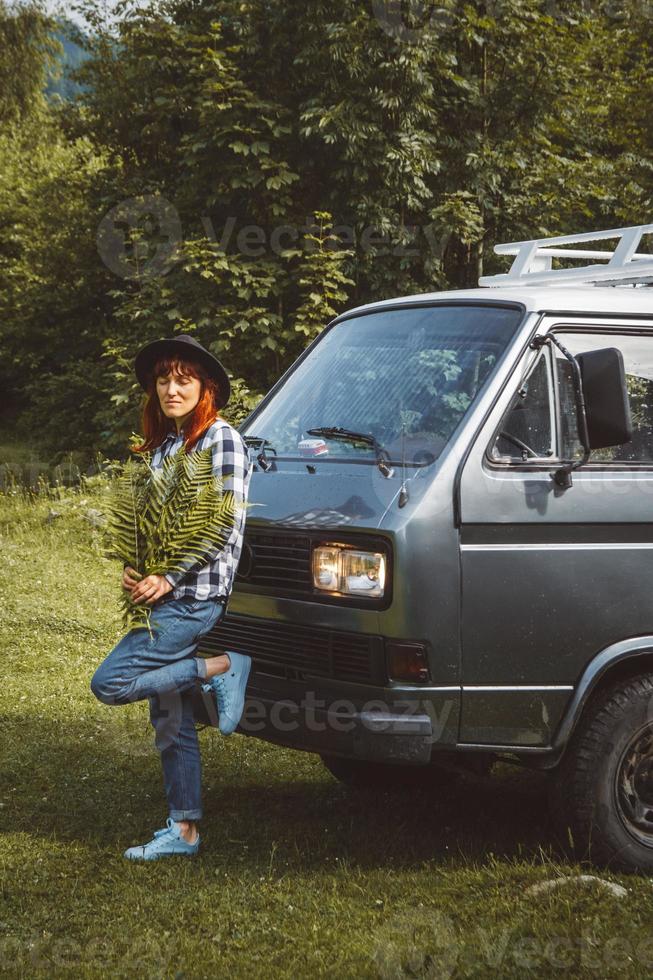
605 393
602 402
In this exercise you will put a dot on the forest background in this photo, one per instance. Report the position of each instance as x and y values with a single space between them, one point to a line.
243 170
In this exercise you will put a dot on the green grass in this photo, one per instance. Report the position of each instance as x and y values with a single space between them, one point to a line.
296 877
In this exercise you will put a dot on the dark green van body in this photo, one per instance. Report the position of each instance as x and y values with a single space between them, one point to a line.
522 595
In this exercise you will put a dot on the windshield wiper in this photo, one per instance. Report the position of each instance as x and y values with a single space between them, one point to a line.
336 432
261 443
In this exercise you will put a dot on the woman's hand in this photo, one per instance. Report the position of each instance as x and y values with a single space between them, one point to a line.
150 588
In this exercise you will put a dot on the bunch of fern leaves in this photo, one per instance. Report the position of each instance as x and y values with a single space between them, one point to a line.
165 520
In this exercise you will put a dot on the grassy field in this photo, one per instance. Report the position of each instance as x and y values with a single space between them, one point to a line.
296 877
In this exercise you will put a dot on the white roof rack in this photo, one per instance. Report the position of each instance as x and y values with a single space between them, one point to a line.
533 264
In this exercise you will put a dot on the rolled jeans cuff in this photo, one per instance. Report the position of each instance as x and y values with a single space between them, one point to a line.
201 668
186 814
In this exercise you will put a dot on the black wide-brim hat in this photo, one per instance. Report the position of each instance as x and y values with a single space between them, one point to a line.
184 346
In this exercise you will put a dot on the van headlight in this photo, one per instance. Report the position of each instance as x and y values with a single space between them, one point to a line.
350 572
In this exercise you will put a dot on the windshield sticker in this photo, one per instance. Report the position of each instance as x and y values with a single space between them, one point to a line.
312 447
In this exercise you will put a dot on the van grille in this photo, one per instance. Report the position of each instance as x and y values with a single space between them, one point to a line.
276 561
292 650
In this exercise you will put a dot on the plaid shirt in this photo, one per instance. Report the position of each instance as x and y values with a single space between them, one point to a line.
231 462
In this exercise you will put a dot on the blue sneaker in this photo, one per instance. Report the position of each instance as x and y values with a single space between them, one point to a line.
229 691
166 841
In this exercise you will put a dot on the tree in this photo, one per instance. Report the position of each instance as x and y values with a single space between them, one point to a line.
195 137
28 53
49 289
244 169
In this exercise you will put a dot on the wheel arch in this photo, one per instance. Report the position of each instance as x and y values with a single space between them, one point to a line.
617 662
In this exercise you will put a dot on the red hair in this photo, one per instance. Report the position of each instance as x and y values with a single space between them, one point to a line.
156 425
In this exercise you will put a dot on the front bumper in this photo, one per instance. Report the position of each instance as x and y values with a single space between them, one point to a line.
376 731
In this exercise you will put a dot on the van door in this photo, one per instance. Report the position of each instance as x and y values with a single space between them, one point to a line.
550 577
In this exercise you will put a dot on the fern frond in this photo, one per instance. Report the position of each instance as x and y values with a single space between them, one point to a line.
195 473
168 519
204 531
123 533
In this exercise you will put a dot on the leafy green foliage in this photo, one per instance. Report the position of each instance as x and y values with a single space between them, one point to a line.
166 520
315 160
28 55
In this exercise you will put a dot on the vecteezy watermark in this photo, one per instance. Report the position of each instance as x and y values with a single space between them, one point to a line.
416 942
36 474
147 955
139 237
424 718
413 21
409 20
254 241
424 942
534 485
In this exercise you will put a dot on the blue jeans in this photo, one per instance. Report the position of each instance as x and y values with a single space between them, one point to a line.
163 669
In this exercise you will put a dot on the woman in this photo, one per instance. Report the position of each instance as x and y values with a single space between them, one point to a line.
185 385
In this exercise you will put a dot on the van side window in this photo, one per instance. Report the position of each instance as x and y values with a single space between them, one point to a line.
637 351
527 430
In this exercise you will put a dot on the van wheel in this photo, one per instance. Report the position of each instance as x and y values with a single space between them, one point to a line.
602 791
365 775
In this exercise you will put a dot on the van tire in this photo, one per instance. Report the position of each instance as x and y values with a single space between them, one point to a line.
362 774
601 790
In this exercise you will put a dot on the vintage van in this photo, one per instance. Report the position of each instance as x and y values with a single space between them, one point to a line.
449 555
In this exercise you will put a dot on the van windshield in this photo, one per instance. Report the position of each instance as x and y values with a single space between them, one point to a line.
405 376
